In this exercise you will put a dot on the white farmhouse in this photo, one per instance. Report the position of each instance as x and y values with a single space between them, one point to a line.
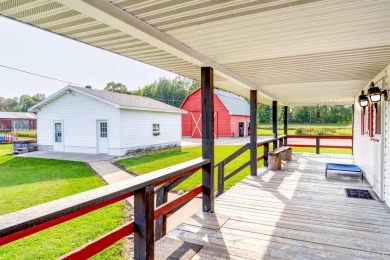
85 120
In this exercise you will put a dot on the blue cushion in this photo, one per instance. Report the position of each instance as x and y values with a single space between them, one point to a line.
343 167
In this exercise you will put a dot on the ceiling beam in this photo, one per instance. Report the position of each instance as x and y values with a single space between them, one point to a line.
117 18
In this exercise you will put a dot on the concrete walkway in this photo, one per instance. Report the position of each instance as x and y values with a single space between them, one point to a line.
75 157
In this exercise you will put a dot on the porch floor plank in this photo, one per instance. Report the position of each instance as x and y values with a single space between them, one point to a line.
293 213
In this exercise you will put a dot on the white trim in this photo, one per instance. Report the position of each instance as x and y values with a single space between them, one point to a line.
153 110
117 18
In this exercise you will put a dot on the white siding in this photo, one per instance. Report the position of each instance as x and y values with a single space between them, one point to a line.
364 148
80 114
136 129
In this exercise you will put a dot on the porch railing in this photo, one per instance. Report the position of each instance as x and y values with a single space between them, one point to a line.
318 139
281 140
25 222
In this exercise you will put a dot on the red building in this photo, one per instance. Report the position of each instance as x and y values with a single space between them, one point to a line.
231 115
19 120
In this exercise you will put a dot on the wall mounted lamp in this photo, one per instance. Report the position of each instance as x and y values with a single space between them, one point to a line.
375 93
363 100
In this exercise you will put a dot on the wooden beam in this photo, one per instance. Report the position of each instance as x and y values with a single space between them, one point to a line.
285 119
266 150
161 222
144 223
253 132
275 122
353 124
207 83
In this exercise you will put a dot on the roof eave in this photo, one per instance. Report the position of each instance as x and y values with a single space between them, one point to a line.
154 110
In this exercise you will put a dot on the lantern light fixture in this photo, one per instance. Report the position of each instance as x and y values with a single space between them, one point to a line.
363 100
375 93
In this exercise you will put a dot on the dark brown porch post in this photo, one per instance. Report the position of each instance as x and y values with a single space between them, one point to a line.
207 82
275 123
285 122
353 124
253 132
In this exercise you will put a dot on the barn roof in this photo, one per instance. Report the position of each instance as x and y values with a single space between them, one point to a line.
17 115
235 104
119 100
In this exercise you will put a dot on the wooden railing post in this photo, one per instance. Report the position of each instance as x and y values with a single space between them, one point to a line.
285 141
221 178
207 85
144 223
266 149
317 144
275 123
161 222
281 142
253 132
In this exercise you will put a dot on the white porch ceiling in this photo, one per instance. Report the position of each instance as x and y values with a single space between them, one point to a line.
301 52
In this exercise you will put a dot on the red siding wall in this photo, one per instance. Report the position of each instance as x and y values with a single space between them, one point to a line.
235 121
6 124
191 122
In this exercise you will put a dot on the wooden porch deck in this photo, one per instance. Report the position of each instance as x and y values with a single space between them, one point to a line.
294 213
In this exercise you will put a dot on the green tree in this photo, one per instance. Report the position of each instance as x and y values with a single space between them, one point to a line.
25 102
38 98
172 92
116 87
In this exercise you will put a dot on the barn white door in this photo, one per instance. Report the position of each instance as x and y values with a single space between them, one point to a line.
102 136
58 144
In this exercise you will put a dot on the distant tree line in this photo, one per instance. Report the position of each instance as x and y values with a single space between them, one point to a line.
169 91
21 104
174 91
337 114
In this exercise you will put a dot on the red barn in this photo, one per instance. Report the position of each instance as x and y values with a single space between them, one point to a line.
19 120
231 115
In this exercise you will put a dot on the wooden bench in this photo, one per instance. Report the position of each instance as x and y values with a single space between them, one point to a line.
276 156
343 168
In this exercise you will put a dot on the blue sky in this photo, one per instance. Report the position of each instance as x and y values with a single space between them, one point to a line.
31 49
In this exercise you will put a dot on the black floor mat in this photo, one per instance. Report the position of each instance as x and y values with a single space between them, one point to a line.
359 194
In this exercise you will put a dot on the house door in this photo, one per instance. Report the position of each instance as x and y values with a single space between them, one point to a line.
58 145
241 129
102 136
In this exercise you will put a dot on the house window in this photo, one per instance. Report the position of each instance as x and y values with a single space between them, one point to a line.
58 133
378 118
103 129
156 129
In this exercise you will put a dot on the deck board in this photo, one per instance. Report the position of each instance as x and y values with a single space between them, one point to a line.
293 213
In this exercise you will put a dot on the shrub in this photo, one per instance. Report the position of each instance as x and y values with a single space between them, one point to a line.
300 131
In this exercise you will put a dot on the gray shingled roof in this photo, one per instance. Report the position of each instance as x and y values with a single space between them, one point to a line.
17 115
126 100
235 104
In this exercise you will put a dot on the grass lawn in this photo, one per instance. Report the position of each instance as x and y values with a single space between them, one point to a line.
340 129
165 158
25 182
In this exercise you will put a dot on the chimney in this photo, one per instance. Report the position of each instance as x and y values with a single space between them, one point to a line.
88 87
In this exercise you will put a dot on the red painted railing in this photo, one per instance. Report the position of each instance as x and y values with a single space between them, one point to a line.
25 222
318 144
